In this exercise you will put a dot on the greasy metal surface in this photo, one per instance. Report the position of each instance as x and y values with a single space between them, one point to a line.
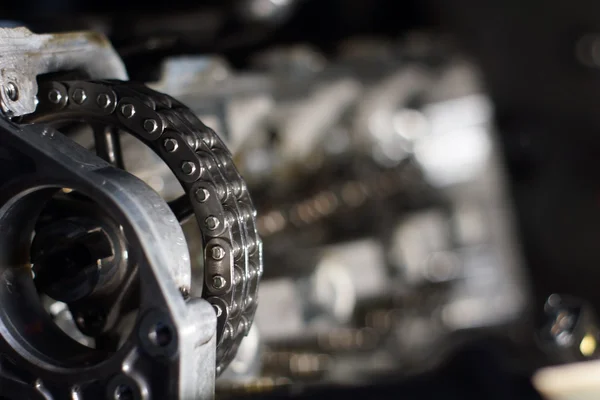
26 55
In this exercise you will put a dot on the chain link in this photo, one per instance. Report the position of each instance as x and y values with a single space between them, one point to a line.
199 159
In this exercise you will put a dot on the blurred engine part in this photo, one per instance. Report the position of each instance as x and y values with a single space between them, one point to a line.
382 202
450 255
97 298
571 332
575 381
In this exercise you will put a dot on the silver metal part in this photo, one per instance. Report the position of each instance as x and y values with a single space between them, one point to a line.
384 123
571 331
265 10
328 297
58 363
235 105
25 56
447 264
247 363
471 246
202 164
302 123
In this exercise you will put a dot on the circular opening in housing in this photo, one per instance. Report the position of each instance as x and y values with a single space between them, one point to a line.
160 335
143 162
63 261
124 392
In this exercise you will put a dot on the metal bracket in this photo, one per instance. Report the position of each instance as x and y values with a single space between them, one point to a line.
26 55
28 340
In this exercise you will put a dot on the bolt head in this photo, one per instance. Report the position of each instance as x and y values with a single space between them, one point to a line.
79 96
150 125
90 321
12 91
202 195
217 253
170 145
218 282
188 167
211 222
123 392
103 100
128 110
185 292
54 96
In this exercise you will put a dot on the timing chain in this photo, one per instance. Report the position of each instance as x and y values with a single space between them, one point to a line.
204 167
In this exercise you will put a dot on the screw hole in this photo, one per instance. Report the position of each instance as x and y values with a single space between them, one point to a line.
218 282
12 92
160 335
124 392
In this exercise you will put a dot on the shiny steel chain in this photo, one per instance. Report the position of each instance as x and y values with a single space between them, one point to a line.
203 166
